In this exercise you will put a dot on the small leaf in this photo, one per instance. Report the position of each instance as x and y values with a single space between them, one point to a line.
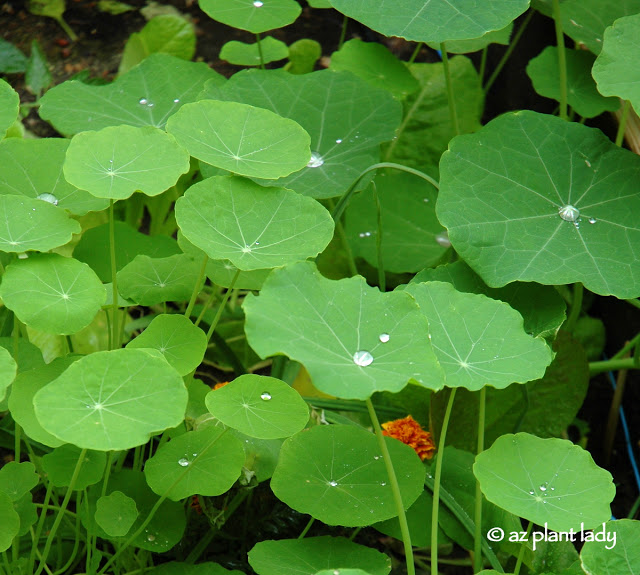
242 54
10 524
17 479
9 107
37 75
255 16
116 513
614 548
12 60
303 55
114 7
259 406
59 466
51 8
27 511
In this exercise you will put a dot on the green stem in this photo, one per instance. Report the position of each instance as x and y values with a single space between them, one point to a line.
453 112
576 307
259 44
196 288
631 344
596 367
382 283
307 527
68 31
419 46
39 527
483 64
237 365
634 302
76 543
343 32
354 533
477 540
508 52
437 481
562 59
622 126
213 295
115 329
634 509
395 488
516 570
225 299
342 236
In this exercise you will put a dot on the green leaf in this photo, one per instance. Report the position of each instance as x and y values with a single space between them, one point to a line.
68 292
9 106
207 568
10 524
251 226
26 355
426 129
255 16
303 55
410 229
245 140
591 333
553 482
313 554
479 341
582 94
207 462
149 281
542 307
346 118
94 249
37 76
51 8
116 513
146 95
501 36
375 64
615 70
12 60
319 3
8 370
33 168
114 7
613 549
17 479
27 511
432 21
531 197
166 34
29 224
61 462
242 54
261 455
352 339
259 406
112 400
118 161
174 336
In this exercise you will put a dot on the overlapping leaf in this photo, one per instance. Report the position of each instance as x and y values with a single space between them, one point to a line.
116 513
9 105
501 36
59 466
255 16
242 54
8 370
620 555
531 197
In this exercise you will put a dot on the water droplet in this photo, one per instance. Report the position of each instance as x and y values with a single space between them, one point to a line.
265 396
568 213
176 100
23 256
336 572
543 487
316 159
333 483
426 200
592 220
183 462
553 489
442 239
588 163
362 358
383 483
257 243
532 492
50 198
376 457
143 101
151 537
258 3
195 454
338 141
384 337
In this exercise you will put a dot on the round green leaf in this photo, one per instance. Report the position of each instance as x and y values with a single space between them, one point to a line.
174 336
336 474
10 524
345 116
313 554
112 400
116 513
206 568
582 94
117 161
432 21
255 16
501 36
261 455
605 555
33 168
242 54
9 106
253 227
8 370
17 479
29 224
531 197
479 341
149 281
259 406
352 339
242 139
60 464
303 55
52 293
374 63
205 462
410 230
146 95
547 481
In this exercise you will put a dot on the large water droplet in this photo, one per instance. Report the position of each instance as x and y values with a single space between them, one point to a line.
333 483
442 239
543 487
258 3
384 337
151 537
176 100
143 101
568 213
362 358
48 198
265 396
183 462
316 159
338 141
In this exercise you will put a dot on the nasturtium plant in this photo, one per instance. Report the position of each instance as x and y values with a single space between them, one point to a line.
8 370
600 556
255 16
264 51
59 466
9 106
116 513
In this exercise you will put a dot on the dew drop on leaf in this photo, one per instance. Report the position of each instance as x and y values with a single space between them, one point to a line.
265 396
316 159
384 337
48 198
258 3
362 358
569 213
333 483
592 220
151 537
143 101
183 462
543 487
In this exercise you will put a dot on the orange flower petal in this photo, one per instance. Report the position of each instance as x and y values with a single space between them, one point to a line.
410 432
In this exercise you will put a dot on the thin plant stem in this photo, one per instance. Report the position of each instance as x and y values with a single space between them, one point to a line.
395 488
596 367
516 570
39 527
17 440
107 473
343 32
576 307
628 346
307 527
634 302
415 53
115 330
453 112
213 295
437 481
382 280
483 64
622 126
614 415
196 288
477 540
562 59
342 236
634 509
76 543
354 534
508 52
259 44
223 303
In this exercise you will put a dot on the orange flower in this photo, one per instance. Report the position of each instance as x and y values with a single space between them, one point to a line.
409 431
219 385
